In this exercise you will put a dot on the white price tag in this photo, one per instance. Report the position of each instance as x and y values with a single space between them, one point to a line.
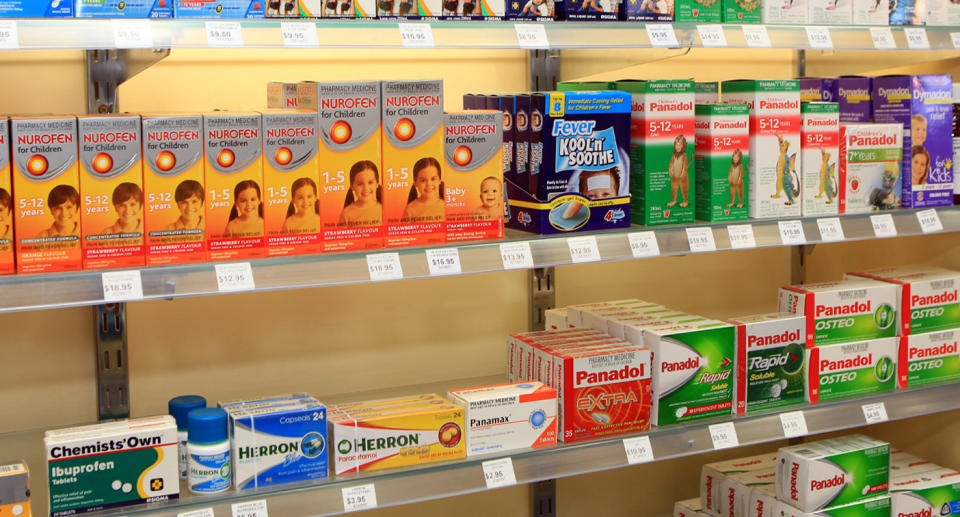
794 424
132 34
443 261
883 225
830 229
498 473
701 239
583 249
418 35
204 512
929 221
9 37
724 435
876 412
250 509
224 34
791 232
516 255
756 36
712 35
531 35
384 266
955 38
819 37
882 38
299 34
741 236
234 277
916 38
121 286
643 244
638 449
360 497
662 35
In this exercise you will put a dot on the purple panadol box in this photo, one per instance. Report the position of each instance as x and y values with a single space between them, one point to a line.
853 97
816 89
923 104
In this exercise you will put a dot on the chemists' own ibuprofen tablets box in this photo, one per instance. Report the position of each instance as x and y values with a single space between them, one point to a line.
7 264
929 358
870 158
819 145
856 369
844 311
876 507
473 156
721 161
770 373
712 474
928 296
507 417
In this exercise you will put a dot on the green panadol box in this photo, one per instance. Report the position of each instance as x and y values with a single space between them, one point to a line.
929 358
722 153
928 296
857 369
849 310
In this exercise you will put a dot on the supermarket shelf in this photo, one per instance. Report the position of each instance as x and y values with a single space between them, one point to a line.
460 477
31 292
54 33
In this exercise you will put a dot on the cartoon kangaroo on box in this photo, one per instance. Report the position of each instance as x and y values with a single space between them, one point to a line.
828 183
786 170
735 178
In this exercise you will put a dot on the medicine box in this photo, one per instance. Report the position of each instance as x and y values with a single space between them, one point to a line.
844 311
507 417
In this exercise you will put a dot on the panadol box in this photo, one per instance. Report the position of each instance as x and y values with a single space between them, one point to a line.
771 372
877 507
688 508
928 296
844 311
712 474
735 489
761 502
933 493
929 358
857 369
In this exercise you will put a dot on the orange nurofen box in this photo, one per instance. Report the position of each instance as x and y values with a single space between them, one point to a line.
7 264
111 187
473 152
233 172
291 206
413 204
173 188
46 190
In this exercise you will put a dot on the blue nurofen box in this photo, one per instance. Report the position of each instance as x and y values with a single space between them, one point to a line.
218 8
36 8
124 8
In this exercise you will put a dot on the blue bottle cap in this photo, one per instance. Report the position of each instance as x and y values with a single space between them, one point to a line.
207 425
178 407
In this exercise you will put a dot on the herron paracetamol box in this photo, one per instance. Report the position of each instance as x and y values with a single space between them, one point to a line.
721 157
770 373
712 473
928 296
507 417
7 264
473 156
929 358
819 149
856 369
111 180
46 183
844 311
870 177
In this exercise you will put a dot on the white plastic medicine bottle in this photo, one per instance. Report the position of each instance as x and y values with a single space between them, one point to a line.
178 407
209 451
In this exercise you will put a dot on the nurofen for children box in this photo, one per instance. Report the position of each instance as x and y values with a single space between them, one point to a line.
111 180
816 475
507 417
473 155
876 507
112 465
282 95
928 296
774 184
693 371
123 8
849 310
770 372
291 212
923 104
780 12
15 487
722 154
853 369
819 149
741 11
831 12
173 189
712 474
36 9
870 158
7 264
233 171
218 8
929 358
662 138
46 186
413 204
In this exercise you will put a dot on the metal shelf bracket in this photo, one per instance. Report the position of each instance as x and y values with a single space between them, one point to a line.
113 377
544 69
543 296
107 69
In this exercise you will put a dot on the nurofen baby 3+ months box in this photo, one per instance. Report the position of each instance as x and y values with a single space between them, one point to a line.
870 177
848 310
507 417
928 296
770 372
819 145
473 154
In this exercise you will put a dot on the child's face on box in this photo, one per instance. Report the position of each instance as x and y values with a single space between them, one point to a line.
489 193
190 208
918 131
64 213
248 203
364 184
919 167
428 182
128 211
304 199
600 186
4 214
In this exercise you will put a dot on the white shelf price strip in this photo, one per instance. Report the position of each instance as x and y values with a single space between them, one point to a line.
955 39
791 233
916 38
883 225
929 221
643 244
662 35
498 473
794 424
224 34
876 412
712 35
250 509
531 35
234 277
299 34
132 34
741 236
830 229
882 38
516 255
203 512
583 249
443 261
121 286
756 36
361 497
819 37
638 449
724 435
417 35
701 239
9 35
384 266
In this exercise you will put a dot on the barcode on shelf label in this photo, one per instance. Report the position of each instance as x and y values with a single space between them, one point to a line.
443 261
724 435
929 220
531 35
794 424
360 497
204 512
955 39
299 34
384 266
819 37
712 35
121 286
224 34
882 38
830 229
132 34
876 412
498 473
756 36
9 36
583 249
791 233
883 225
234 277
662 35
516 255
741 236
419 35
638 449
701 239
643 244
8 469
916 38
250 509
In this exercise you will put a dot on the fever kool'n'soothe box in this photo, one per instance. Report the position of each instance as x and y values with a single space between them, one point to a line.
844 311
473 156
111 180
870 158
770 373
722 154
7 264
507 417
928 296
46 183
819 146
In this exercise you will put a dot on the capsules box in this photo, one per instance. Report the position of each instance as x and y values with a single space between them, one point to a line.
693 371
537 10
876 507
923 104
870 160
741 11
218 9
233 173
856 369
46 183
735 489
284 9
933 493
908 12
819 147
111 179
112 465
397 439
943 13
774 185
928 296
833 472
771 372
844 311
662 151
123 8
7 265
689 508
871 12
722 154
816 89
276 445
36 9
15 487
706 92
585 183
831 12
785 12
929 358
593 9
853 98
648 10
507 417
282 95
712 474
473 154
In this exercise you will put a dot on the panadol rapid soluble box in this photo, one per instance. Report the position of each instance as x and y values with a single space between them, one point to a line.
854 369
928 296
929 358
507 417
819 146
770 373
711 475
876 507
844 311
